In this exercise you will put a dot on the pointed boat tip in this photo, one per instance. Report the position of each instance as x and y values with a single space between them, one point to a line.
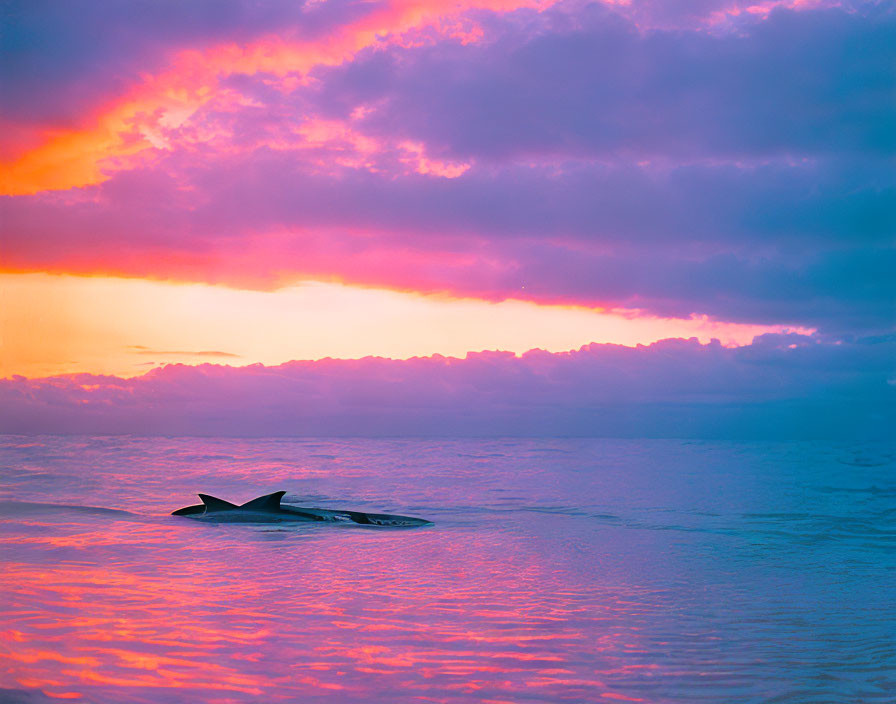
189 510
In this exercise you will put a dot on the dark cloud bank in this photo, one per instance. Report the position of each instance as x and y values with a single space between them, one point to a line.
780 387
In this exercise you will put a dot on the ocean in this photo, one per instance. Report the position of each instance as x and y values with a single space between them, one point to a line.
556 570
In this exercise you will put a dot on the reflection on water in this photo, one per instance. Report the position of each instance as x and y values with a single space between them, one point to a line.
565 570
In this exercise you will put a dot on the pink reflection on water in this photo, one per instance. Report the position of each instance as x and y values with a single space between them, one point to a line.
146 607
236 615
556 571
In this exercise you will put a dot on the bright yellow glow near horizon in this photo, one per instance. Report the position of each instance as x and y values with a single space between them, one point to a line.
60 324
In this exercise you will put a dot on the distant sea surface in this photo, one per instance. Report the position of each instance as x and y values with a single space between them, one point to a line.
555 571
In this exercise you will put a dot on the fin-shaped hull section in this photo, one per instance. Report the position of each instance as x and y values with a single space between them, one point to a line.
267 509
213 503
271 502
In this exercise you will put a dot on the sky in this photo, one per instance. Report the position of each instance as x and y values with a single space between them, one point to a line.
201 198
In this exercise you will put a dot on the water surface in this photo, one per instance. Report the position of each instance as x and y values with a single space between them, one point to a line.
555 571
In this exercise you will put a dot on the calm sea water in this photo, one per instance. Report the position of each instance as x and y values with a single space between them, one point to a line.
555 571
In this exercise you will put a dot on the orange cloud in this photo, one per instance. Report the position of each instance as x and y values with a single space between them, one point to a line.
131 125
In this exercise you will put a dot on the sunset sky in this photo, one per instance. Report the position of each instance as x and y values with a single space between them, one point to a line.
232 183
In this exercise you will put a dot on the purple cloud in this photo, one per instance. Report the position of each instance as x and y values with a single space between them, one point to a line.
794 85
60 59
780 386
649 156
807 245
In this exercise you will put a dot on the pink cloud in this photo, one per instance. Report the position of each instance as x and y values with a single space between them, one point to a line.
780 386
474 149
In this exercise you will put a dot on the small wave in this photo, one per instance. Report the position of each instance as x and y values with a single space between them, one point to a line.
25 508
873 490
867 459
